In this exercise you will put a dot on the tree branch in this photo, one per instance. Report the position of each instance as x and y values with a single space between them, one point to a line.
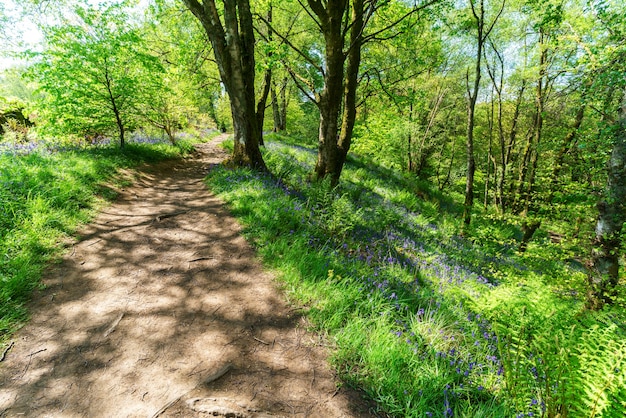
299 80
292 46
416 9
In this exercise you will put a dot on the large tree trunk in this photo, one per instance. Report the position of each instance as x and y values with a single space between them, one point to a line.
233 46
339 93
351 84
604 273
331 97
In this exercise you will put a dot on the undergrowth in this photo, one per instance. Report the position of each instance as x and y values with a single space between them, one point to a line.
427 322
44 195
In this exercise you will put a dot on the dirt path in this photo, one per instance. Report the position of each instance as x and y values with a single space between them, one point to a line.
161 309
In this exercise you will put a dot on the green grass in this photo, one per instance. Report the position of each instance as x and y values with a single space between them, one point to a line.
43 198
426 321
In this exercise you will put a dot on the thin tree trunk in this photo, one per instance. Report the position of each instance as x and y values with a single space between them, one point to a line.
507 147
531 156
526 180
424 150
566 146
489 157
409 138
267 82
115 108
275 109
284 103
498 85
472 97
471 107
279 105
261 105
450 165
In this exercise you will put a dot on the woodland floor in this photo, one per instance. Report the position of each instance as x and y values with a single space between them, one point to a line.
161 309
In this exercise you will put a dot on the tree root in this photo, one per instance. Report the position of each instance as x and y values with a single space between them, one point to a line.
212 377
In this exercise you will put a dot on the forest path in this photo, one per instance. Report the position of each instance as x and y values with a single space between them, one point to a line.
162 309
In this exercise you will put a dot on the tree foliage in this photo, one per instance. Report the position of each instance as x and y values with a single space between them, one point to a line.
91 73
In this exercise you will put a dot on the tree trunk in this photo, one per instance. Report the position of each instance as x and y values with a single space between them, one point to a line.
335 133
472 96
426 147
604 273
531 157
170 133
351 84
114 106
276 110
410 139
489 157
529 226
526 180
446 181
233 46
260 108
267 82
331 97
284 102
507 147
566 146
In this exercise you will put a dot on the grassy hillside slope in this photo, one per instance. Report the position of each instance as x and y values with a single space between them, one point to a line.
429 322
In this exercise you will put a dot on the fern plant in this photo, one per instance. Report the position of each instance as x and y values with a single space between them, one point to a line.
601 375
336 214
556 372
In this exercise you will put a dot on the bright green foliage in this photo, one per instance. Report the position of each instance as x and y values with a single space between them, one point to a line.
43 197
93 73
188 89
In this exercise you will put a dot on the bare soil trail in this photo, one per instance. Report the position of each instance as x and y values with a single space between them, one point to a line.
162 309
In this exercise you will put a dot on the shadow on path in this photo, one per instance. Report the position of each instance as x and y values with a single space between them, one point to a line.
161 309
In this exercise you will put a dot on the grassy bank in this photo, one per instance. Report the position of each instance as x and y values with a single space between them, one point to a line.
44 196
426 321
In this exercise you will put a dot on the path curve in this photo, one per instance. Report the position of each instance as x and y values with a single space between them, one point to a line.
161 309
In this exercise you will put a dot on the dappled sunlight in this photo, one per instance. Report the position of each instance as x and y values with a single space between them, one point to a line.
160 292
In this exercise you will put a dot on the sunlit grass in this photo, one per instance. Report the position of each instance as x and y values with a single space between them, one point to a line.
44 195
428 322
